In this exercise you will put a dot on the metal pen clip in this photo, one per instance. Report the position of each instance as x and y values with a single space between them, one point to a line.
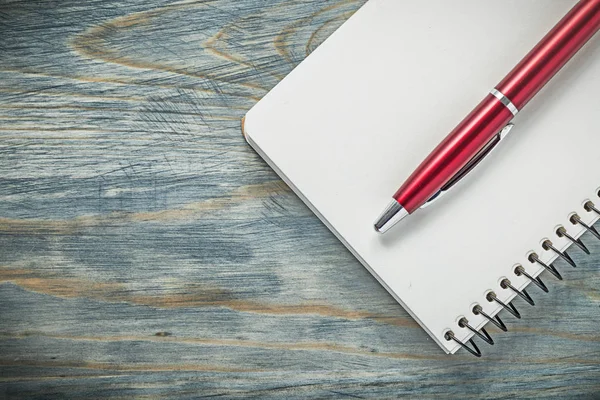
483 153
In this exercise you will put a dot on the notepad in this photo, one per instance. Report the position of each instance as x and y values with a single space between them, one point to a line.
353 120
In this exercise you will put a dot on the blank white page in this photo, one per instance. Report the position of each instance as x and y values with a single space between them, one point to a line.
351 123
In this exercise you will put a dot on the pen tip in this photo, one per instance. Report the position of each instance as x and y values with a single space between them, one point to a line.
393 214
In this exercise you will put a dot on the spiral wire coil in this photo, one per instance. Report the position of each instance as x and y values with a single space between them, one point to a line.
520 271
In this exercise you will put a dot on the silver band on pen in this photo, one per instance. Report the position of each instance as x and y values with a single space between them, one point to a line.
505 100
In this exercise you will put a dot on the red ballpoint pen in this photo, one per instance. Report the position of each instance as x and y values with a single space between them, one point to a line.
489 122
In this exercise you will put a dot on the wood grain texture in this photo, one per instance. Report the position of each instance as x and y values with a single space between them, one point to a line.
146 251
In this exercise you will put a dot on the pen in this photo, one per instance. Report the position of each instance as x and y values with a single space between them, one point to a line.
479 133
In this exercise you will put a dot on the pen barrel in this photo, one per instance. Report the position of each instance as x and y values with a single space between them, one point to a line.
493 114
457 149
552 53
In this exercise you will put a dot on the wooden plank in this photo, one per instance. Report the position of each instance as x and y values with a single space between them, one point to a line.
146 251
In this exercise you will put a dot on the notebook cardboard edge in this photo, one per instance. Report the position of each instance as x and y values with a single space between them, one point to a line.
315 211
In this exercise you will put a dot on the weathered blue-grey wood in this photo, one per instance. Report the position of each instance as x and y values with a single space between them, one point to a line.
146 250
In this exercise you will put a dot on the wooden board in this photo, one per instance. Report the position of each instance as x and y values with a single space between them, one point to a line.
147 251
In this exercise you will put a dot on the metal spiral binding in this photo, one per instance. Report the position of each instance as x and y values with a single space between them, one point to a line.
534 259
520 271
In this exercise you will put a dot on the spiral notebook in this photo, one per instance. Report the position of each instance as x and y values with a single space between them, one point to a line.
350 123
